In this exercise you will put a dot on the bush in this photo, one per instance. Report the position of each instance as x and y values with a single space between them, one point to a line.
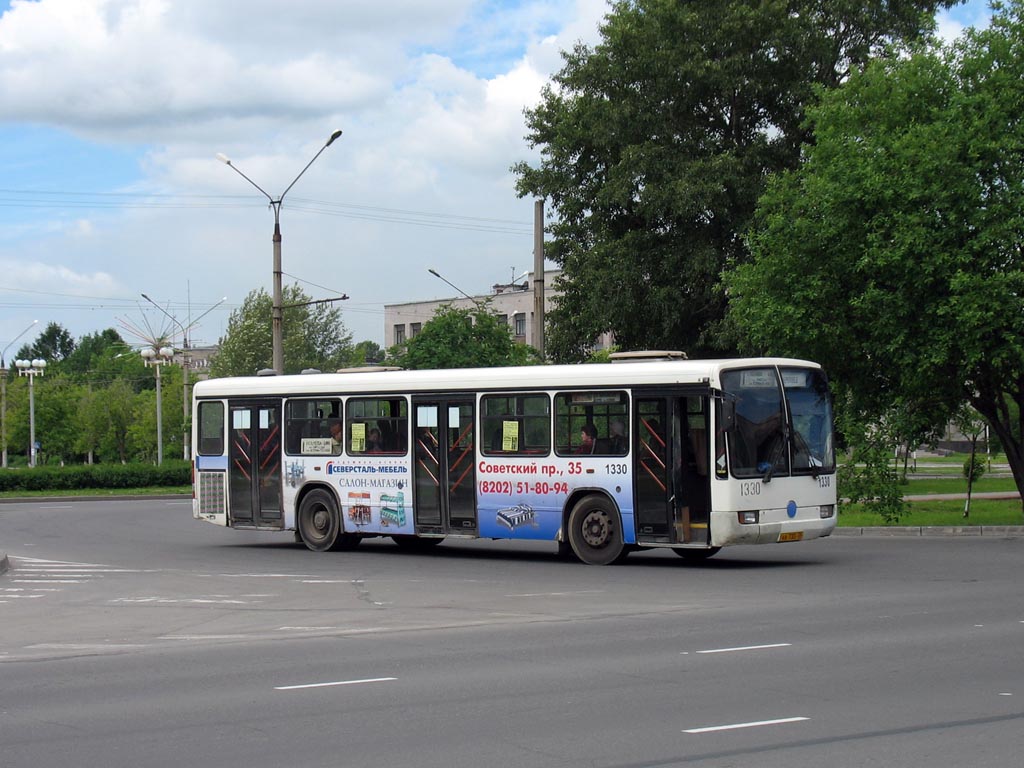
69 478
974 473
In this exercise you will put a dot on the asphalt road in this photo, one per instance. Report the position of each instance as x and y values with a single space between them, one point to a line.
131 635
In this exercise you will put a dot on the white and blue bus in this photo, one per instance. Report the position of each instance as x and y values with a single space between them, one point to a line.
601 459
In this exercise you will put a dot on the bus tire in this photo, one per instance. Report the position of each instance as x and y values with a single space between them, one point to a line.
319 523
595 531
697 555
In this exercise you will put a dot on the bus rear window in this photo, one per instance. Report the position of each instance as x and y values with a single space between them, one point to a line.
211 429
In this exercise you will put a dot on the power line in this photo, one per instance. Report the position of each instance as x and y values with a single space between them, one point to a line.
76 200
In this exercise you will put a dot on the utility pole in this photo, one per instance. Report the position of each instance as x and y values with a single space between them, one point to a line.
538 277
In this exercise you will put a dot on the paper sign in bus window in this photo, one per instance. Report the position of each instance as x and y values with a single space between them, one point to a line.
510 436
358 437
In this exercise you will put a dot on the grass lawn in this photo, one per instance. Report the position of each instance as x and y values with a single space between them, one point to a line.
941 512
98 492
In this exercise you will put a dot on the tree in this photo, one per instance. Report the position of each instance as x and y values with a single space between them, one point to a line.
656 143
314 336
367 353
893 254
462 338
93 346
52 345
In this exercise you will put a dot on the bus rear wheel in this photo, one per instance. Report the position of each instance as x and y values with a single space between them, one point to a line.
319 523
595 531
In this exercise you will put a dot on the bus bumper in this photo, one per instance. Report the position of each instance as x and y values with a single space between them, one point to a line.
726 528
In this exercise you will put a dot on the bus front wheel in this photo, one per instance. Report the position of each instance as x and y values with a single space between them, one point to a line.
595 531
320 523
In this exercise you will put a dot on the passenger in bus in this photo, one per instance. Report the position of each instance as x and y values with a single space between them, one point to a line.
588 439
374 444
617 444
337 435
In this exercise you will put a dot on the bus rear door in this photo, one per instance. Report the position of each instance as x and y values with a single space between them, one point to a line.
254 464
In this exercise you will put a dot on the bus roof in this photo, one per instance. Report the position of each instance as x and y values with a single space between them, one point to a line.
492 379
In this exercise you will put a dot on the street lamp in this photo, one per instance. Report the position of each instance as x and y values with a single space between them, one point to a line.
158 358
31 368
184 366
439 276
277 312
3 392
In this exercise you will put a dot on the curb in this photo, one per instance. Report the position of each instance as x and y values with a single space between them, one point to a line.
990 531
121 497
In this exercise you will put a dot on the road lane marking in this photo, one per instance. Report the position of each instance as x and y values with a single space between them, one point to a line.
558 594
338 682
736 726
747 648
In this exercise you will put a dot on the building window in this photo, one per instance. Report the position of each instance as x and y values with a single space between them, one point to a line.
520 324
414 330
400 334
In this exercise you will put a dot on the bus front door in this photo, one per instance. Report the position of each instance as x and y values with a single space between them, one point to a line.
670 467
254 465
444 497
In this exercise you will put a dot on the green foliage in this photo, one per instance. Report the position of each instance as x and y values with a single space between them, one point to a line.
867 476
462 338
974 468
52 345
170 474
314 336
656 145
892 255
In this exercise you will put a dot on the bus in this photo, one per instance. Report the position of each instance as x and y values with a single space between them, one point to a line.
600 459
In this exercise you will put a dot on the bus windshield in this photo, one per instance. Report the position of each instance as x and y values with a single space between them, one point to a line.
782 426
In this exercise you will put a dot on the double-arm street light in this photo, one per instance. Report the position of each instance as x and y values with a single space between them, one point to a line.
278 311
185 438
158 358
3 391
31 368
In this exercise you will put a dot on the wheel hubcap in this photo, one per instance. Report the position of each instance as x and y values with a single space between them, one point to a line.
321 521
596 529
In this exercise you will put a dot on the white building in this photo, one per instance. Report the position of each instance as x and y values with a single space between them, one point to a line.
512 302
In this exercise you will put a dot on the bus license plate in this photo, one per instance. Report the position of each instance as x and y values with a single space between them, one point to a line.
791 536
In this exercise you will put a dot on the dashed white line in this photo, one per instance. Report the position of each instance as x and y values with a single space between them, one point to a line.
337 682
736 726
747 648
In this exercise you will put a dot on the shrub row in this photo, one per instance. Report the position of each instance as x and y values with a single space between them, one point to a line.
169 474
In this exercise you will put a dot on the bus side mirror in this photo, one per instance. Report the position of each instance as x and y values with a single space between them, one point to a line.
728 413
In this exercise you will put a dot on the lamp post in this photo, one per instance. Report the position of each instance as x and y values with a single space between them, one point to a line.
439 276
3 393
184 367
31 368
158 358
277 312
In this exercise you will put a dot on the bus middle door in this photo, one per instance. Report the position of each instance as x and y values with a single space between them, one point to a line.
444 474
254 465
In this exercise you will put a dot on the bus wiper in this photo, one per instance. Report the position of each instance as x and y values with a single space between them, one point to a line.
775 455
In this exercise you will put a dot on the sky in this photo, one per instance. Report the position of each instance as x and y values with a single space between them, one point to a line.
112 113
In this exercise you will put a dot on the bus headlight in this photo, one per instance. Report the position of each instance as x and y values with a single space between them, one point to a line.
826 511
749 517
